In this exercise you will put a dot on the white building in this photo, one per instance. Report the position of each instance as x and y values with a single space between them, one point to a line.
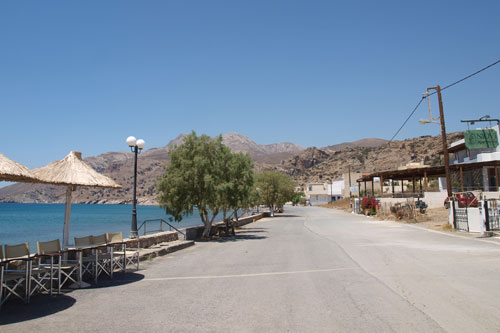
321 193
473 169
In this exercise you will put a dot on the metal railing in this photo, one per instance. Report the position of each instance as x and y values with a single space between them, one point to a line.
160 229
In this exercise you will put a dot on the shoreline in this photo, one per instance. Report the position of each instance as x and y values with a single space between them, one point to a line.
81 203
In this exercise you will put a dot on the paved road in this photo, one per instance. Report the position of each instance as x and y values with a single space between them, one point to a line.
311 269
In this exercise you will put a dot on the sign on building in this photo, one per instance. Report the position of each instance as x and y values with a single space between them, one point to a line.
484 138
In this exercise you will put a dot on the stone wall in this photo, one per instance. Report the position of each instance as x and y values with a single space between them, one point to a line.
194 233
149 240
432 199
249 219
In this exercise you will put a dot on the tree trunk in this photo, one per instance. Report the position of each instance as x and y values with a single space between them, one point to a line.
271 211
236 218
207 223
226 222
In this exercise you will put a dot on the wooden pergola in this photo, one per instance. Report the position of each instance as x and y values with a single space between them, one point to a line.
423 174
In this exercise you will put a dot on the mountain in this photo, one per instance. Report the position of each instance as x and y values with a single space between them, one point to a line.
304 165
317 165
119 166
370 142
241 143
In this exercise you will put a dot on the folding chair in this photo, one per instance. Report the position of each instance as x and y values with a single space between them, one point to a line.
15 274
39 276
125 256
87 258
103 256
1 275
61 269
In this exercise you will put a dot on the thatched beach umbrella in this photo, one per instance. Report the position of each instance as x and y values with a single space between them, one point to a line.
11 171
72 171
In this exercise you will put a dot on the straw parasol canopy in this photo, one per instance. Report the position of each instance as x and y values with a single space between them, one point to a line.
14 172
72 171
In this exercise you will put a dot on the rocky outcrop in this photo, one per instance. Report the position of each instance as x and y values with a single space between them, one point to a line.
119 166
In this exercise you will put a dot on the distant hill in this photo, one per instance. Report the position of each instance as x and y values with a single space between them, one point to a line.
241 143
304 165
370 142
119 166
316 165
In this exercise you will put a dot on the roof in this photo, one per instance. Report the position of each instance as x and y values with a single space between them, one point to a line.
429 171
14 172
456 146
72 170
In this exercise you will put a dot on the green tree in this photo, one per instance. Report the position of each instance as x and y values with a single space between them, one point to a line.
275 189
193 179
236 189
297 197
204 174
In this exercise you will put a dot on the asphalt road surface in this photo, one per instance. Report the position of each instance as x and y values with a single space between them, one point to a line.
307 270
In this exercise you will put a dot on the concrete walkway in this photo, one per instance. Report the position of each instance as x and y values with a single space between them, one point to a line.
310 269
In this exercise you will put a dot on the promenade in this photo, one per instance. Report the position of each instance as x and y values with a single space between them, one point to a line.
309 269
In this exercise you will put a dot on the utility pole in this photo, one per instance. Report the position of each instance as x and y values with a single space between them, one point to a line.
350 193
443 138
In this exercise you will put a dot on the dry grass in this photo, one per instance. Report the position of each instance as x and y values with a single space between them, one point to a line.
343 204
434 218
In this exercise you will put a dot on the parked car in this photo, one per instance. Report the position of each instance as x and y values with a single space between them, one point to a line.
465 199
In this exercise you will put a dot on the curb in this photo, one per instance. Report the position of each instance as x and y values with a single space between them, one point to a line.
163 249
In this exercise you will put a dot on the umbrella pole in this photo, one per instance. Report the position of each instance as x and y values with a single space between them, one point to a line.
67 214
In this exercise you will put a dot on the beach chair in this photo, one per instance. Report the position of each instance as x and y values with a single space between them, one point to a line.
15 273
86 254
1 275
123 256
39 276
103 256
62 270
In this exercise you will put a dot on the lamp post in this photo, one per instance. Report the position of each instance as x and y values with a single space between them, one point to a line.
135 146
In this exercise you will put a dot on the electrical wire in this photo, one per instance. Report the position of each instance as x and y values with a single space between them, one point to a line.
471 75
444 88
411 114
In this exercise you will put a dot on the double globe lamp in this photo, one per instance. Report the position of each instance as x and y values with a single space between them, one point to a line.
135 146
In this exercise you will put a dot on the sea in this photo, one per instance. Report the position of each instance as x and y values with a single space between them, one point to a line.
23 222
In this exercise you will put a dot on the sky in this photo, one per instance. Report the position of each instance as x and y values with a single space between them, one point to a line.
85 75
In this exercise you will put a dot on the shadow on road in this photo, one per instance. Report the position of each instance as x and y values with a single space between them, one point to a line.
119 279
238 237
251 230
286 215
241 234
14 311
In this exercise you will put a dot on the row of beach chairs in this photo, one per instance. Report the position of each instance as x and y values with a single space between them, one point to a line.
23 274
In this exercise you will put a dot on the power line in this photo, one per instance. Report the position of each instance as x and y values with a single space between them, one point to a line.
468 76
446 87
411 114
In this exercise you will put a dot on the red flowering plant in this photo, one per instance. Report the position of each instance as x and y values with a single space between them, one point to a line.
370 205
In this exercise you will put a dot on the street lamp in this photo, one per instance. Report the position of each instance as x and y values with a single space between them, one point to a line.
135 146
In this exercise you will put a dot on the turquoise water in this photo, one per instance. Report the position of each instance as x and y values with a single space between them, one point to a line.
21 223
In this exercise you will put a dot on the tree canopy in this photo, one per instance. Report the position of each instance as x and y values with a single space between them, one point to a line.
236 189
204 174
274 189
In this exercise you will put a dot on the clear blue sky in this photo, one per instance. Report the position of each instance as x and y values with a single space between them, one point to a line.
84 75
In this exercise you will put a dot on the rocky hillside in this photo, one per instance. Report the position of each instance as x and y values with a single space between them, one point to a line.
304 165
367 143
119 166
316 165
